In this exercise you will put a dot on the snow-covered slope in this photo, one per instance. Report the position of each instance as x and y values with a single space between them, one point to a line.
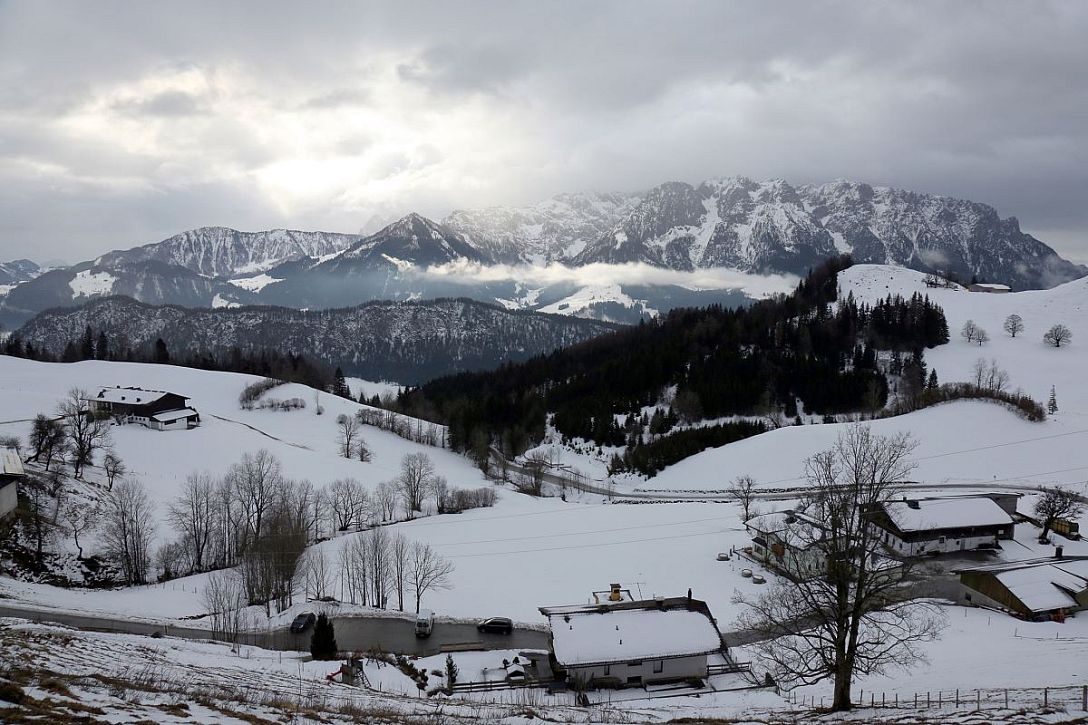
771 226
220 251
964 442
553 230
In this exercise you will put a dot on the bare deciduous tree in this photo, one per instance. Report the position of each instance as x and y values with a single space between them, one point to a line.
193 516
127 522
440 490
348 503
1056 503
969 331
428 571
385 500
400 560
416 472
86 432
1014 325
988 376
224 597
859 619
79 519
318 573
113 467
256 483
1058 335
377 552
47 440
348 430
743 489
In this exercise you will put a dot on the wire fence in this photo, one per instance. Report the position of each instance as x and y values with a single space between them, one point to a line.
1070 698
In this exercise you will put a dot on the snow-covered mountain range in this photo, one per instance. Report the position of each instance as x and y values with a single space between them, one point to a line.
759 228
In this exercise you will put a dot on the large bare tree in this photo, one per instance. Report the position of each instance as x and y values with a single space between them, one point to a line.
416 472
859 618
127 529
257 485
86 432
1056 503
428 571
193 516
743 489
348 431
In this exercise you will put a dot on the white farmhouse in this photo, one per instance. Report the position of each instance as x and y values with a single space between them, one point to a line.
789 542
939 525
632 643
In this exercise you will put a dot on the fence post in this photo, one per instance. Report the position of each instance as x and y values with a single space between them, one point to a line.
1084 698
1006 699
957 697
927 698
1046 696
978 700
939 693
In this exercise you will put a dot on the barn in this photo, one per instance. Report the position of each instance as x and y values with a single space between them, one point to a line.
1047 588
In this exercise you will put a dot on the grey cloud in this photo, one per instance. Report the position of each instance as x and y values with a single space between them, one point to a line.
986 101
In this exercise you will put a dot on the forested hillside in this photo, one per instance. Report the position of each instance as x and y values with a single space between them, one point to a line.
634 387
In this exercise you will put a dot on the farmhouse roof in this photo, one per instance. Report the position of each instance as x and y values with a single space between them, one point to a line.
932 514
795 529
168 416
131 396
10 462
1042 585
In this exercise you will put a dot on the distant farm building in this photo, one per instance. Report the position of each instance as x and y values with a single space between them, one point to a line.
990 288
152 408
1036 589
632 643
11 473
938 525
789 542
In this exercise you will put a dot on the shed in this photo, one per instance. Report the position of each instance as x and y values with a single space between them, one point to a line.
11 472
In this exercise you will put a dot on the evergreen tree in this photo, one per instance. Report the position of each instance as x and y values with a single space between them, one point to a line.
70 354
340 385
323 640
162 354
86 345
102 346
932 383
451 673
1052 404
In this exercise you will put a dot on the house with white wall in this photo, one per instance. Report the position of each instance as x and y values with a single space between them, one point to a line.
942 524
789 542
632 643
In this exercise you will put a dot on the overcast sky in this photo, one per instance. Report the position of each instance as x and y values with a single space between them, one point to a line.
124 123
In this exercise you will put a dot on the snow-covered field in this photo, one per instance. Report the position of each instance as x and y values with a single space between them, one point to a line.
525 552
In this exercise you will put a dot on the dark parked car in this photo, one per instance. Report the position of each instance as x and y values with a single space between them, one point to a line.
303 622
500 625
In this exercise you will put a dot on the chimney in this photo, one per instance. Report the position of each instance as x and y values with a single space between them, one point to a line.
615 595
1059 552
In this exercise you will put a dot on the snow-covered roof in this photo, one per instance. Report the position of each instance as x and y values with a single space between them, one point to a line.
795 529
177 414
990 285
613 635
930 514
1049 586
10 462
133 396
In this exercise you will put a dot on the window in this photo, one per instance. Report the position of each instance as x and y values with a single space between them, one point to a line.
659 666
607 670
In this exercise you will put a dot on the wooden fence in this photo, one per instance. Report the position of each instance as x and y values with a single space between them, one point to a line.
1070 698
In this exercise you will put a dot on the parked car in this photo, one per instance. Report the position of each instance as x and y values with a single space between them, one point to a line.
424 623
499 625
303 622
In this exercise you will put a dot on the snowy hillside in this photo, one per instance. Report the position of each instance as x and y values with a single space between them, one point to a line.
223 252
963 442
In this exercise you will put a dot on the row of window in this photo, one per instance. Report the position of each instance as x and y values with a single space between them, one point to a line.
659 667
